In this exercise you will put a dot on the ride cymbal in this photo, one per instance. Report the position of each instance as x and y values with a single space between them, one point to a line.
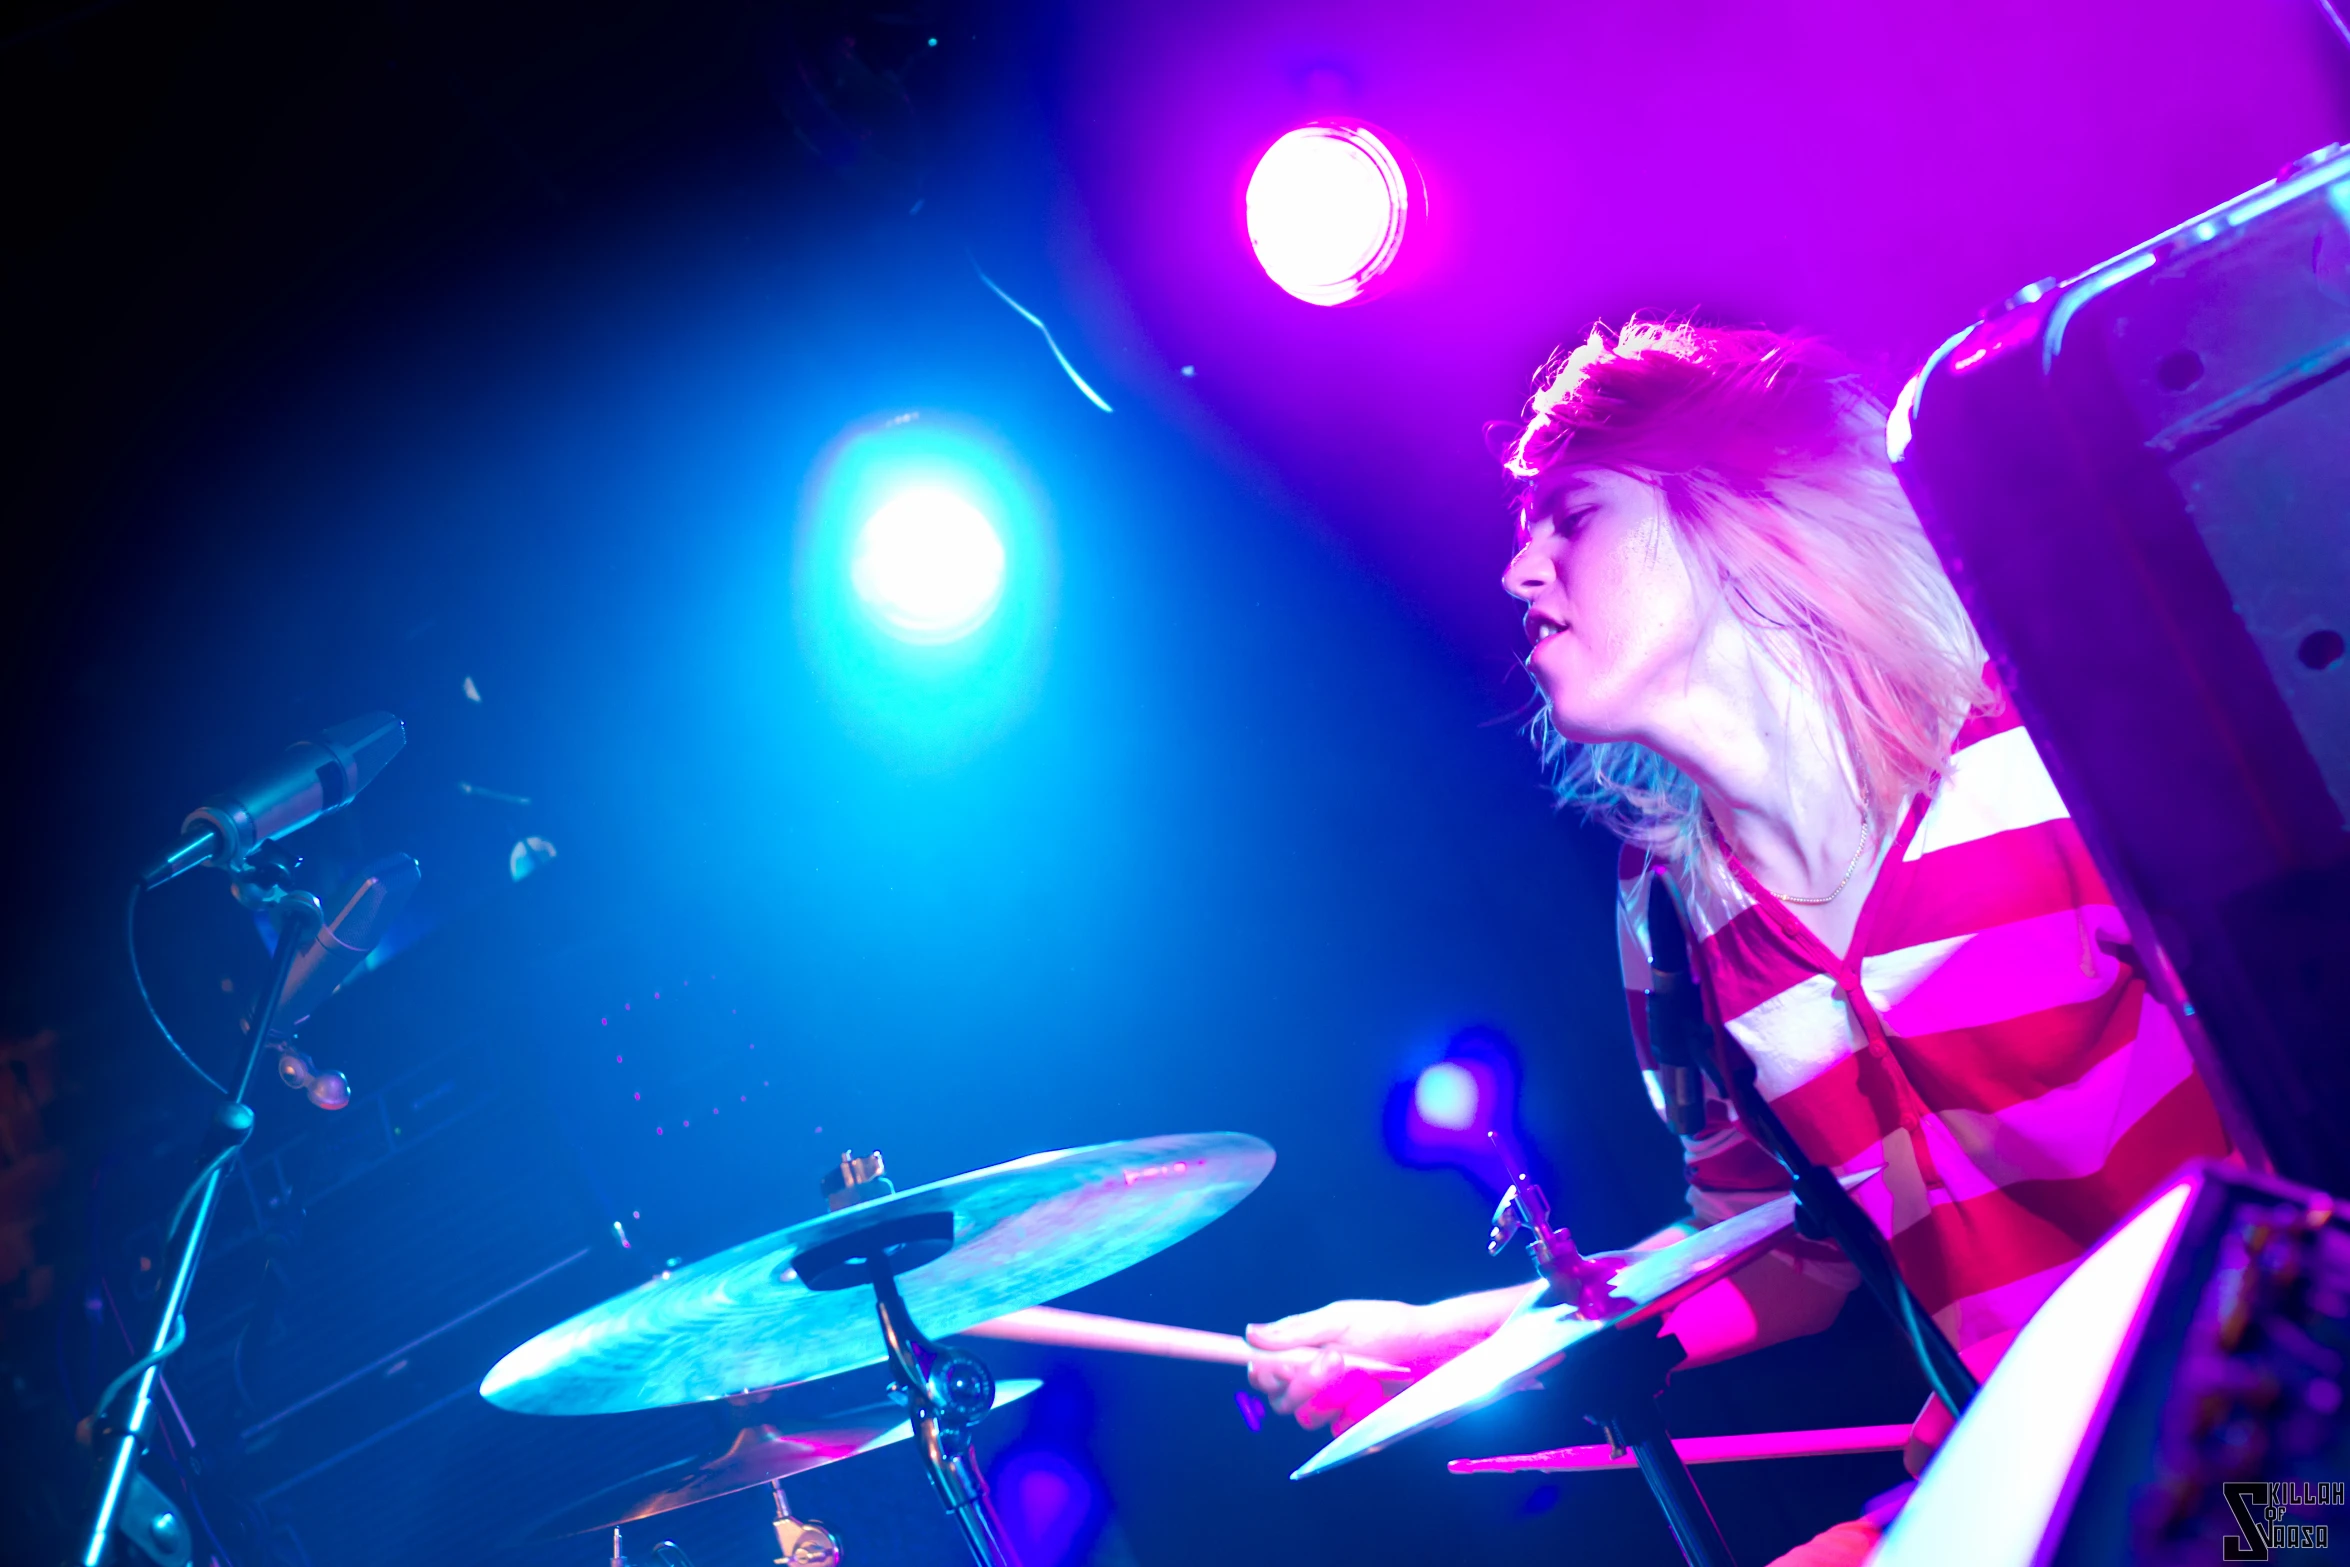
1023 1233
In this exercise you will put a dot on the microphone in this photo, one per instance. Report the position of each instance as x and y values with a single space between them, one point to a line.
309 779
362 912
1678 1035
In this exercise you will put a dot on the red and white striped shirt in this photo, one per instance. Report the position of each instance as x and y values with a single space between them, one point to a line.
1989 1041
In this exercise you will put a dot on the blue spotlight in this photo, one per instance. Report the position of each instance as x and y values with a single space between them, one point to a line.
928 565
925 584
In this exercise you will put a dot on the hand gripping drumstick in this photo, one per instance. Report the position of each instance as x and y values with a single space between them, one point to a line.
1084 1330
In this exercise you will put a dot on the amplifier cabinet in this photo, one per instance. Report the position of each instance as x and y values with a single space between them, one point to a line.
2140 482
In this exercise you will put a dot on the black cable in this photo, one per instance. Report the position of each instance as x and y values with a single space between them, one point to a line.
168 1448
196 1506
232 1122
154 1357
196 1188
179 1326
130 937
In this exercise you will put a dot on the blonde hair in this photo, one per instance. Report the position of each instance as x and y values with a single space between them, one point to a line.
1771 459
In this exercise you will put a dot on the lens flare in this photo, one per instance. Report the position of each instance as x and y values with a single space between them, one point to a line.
928 565
924 584
1459 1108
1326 209
1446 1096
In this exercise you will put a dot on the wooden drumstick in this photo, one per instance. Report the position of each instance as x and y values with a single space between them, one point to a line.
1701 1450
1084 1330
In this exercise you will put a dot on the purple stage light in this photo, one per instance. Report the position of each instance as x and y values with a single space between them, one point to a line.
1326 210
1449 1111
1049 1503
1448 1095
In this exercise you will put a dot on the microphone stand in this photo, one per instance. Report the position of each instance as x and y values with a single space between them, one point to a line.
1680 1037
1840 1218
297 916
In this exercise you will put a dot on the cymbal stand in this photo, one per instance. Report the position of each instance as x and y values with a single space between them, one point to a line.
1829 1211
1616 1382
945 1393
297 916
1617 1379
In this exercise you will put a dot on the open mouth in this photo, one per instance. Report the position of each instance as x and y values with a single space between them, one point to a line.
1541 628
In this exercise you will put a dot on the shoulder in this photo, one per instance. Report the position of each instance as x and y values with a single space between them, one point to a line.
1995 782
1996 716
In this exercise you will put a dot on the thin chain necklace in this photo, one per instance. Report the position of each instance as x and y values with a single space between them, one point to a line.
1868 822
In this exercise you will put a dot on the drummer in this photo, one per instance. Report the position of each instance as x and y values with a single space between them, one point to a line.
1755 673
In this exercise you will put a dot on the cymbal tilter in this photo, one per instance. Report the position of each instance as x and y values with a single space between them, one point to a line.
855 1180
1573 1278
802 1542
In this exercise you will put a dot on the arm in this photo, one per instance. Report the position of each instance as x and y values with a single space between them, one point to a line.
1301 1373
1770 1300
1776 1297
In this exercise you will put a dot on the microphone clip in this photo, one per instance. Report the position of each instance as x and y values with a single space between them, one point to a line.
328 1090
264 879
263 884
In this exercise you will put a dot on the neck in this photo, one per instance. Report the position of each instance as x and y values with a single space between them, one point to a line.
1766 757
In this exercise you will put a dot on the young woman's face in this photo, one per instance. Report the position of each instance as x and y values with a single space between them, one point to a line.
1610 609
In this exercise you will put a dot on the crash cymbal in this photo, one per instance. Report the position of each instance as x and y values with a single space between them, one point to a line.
757 1455
1023 1233
1651 1283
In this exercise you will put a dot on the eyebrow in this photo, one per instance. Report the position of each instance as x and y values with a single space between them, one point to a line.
1552 502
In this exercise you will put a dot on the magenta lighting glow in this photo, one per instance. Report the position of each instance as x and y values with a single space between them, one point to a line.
1447 1110
1326 210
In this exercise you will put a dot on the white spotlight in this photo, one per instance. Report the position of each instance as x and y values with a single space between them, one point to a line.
928 565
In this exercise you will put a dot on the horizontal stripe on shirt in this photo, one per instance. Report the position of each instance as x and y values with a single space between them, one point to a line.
1989 1041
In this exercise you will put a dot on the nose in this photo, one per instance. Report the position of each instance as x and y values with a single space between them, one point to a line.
1528 573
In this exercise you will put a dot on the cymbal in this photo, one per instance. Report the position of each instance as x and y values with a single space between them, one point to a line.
1650 1283
759 1454
1024 1233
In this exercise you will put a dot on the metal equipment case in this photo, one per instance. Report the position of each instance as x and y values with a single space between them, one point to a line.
2140 482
